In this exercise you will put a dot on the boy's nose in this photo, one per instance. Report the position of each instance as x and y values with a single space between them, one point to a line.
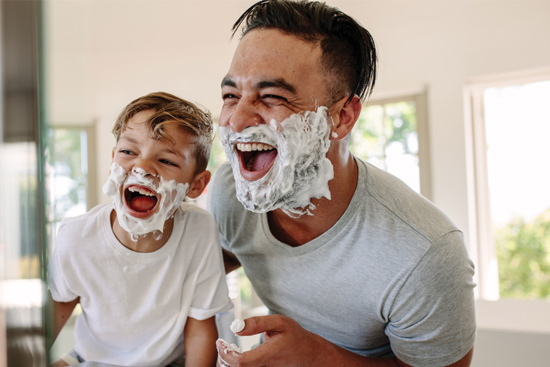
145 168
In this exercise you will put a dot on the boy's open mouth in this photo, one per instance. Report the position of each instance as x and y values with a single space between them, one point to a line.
140 200
255 159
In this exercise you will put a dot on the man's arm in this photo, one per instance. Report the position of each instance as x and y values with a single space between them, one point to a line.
463 362
286 343
230 261
200 342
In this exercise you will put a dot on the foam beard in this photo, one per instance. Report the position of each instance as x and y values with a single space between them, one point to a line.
301 170
142 195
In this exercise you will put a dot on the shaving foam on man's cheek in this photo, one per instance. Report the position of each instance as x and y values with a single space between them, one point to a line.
171 193
301 171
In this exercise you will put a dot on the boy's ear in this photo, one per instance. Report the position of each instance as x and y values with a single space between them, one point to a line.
345 116
197 186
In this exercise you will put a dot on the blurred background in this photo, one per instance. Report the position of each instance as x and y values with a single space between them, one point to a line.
460 112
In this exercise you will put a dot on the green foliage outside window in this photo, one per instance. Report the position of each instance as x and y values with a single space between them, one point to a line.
523 252
379 126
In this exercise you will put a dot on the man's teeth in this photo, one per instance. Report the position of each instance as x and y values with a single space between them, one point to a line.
141 191
249 147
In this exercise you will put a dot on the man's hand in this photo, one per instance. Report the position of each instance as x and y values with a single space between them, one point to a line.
286 343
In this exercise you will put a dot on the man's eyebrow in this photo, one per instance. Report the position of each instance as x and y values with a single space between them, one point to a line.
227 82
277 83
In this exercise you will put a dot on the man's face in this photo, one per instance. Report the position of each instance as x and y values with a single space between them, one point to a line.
273 81
149 177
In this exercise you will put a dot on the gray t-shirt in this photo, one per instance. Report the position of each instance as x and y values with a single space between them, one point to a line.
392 276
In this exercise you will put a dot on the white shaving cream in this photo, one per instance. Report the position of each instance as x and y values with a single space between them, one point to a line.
170 192
301 170
237 325
230 347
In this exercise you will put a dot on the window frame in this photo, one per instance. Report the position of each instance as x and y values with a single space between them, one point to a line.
91 192
493 312
420 98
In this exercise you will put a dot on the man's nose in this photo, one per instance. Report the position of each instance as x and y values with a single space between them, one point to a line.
244 114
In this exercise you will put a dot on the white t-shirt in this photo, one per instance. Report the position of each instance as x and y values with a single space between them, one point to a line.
135 305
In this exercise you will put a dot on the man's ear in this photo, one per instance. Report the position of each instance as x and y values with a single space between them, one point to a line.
197 186
345 116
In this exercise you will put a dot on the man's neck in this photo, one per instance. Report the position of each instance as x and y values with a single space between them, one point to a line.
298 231
144 243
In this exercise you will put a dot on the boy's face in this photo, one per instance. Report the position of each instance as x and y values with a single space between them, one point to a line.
161 157
148 162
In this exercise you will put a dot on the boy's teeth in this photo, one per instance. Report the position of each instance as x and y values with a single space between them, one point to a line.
249 147
141 191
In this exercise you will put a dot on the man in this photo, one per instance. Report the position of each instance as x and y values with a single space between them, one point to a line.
355 268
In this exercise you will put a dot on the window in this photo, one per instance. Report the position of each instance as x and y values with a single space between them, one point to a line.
509 132
392 135
69 173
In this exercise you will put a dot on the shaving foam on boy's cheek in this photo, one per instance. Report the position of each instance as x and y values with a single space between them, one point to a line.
171 193
301 171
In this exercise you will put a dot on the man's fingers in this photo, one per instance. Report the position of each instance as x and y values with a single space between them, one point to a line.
264 324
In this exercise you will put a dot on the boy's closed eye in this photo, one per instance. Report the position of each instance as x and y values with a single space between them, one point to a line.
167 162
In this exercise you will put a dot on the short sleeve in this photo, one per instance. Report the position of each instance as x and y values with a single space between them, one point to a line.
59 272
211 293
432 320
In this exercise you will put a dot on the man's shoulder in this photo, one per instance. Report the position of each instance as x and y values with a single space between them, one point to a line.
221 194
402 202
223 179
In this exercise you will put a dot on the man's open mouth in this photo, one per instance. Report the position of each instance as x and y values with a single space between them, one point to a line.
140 200
255 159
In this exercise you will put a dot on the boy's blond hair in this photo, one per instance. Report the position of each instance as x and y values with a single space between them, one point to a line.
174 111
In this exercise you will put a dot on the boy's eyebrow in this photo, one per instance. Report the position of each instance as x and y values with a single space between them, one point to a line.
129 139
171 151
271 83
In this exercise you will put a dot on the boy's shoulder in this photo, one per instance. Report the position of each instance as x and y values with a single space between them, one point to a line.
83 223
194 211
96 211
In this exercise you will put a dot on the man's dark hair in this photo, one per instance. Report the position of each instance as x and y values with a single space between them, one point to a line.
348 48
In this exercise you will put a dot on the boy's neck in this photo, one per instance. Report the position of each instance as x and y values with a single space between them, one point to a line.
145 243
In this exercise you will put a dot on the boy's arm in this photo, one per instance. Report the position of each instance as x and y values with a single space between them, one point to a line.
62 312
200 342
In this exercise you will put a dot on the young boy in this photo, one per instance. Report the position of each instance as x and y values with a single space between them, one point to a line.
147 271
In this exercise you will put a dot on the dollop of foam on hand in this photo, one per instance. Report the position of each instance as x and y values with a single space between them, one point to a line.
171 193
237 325
229 347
